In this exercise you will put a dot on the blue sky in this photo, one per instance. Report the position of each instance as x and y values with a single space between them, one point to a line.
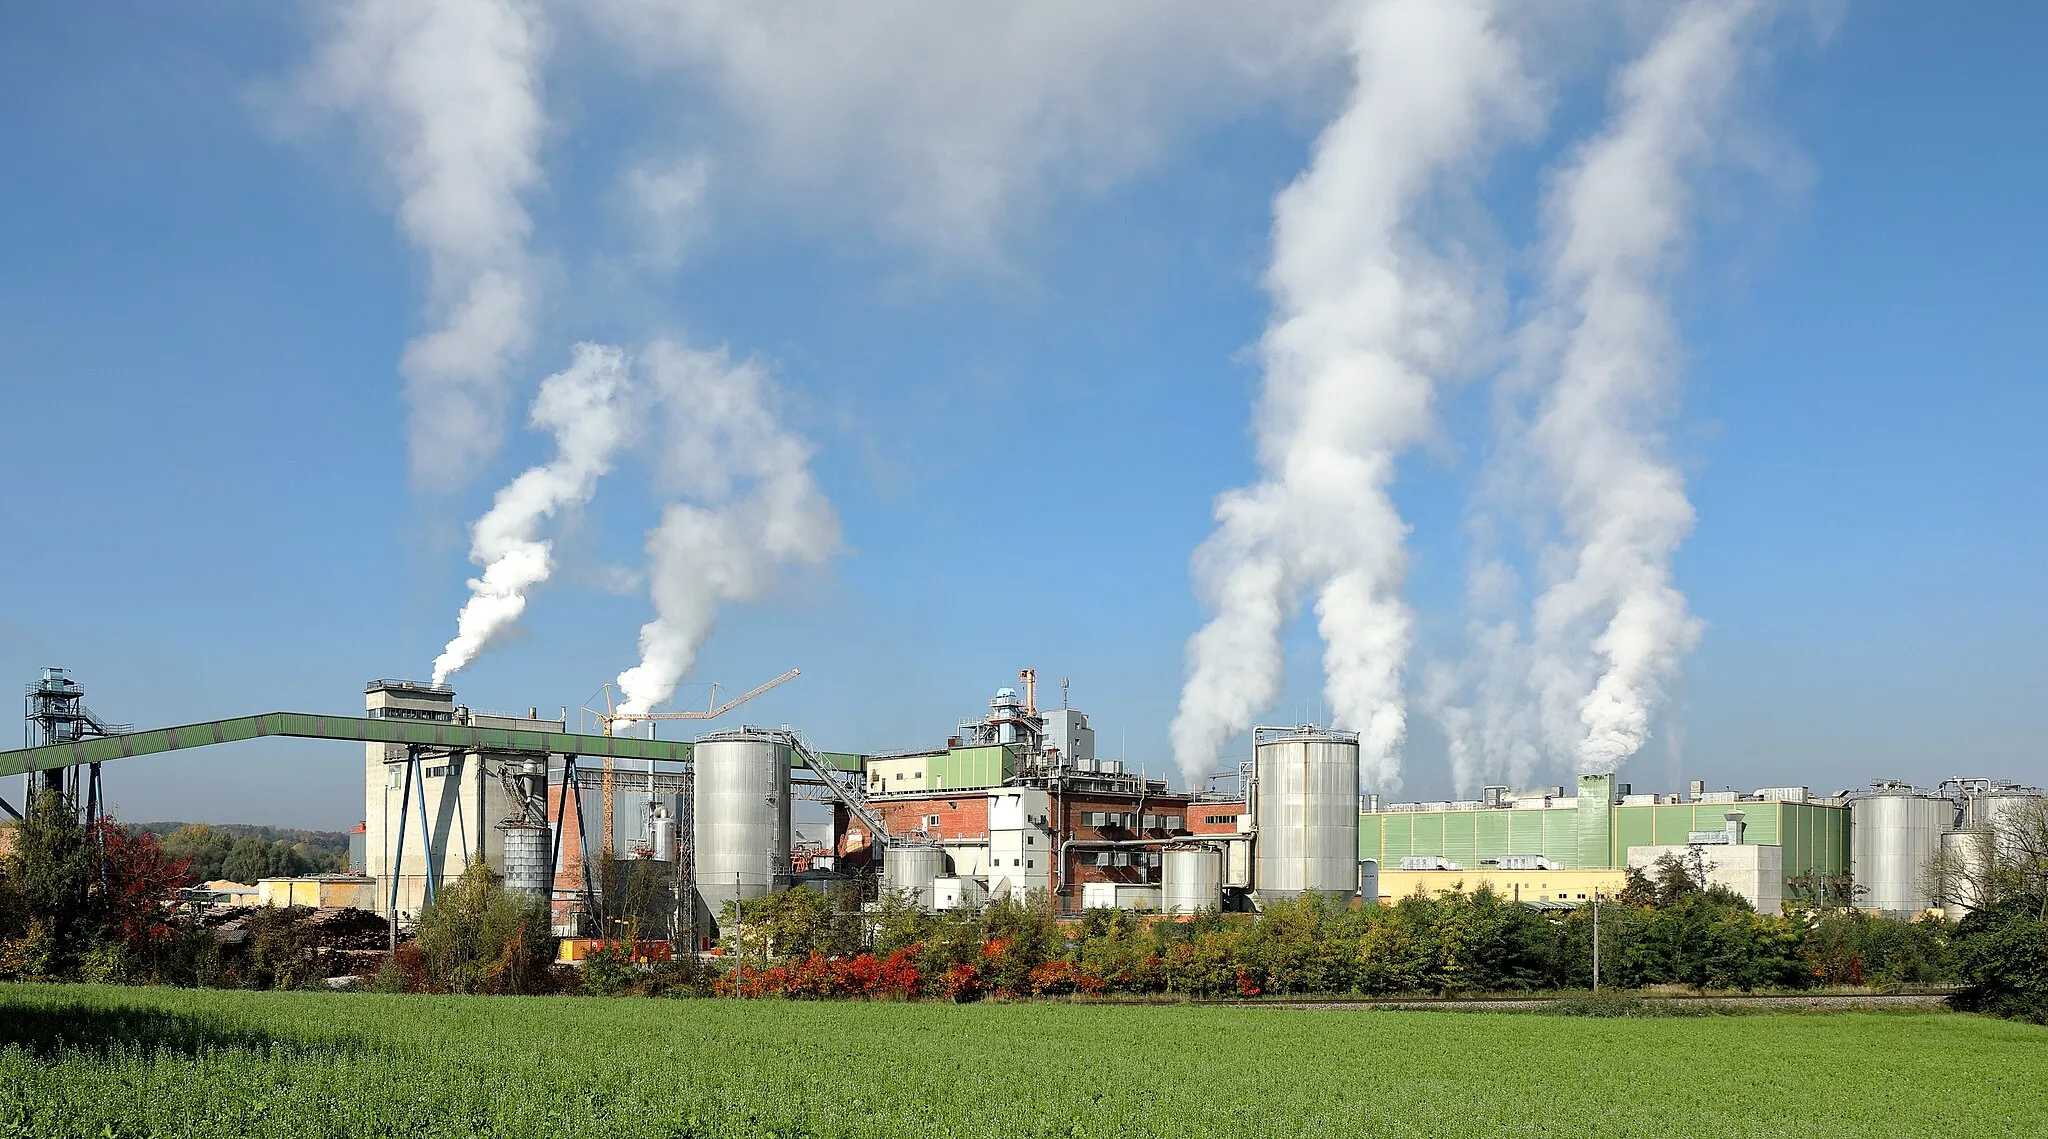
203 302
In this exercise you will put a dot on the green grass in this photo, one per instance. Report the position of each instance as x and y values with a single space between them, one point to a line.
112 1062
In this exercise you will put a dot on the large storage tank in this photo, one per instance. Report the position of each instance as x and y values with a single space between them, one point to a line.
526 859
1895 832
913 868
1191 879
1305 805
1988 820
740 810
1965 854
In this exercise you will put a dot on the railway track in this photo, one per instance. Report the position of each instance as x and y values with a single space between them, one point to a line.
1822 1002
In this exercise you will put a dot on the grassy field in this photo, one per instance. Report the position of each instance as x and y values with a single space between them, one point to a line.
115 1062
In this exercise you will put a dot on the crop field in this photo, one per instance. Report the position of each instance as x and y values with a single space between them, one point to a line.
100 1062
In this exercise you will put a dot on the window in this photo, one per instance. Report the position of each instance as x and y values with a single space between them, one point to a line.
1029 841
1175 822
1028 864
1220 820
931 821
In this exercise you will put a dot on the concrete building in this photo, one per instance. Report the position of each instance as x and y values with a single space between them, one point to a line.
462 794
1755 872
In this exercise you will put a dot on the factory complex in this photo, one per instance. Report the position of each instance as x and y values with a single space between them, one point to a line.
1016 804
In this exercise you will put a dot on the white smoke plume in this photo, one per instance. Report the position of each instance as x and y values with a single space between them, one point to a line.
1367 319
590 408
1482 702
1611 632
755 507
448 94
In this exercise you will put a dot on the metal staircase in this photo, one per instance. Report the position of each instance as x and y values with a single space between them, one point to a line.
847 791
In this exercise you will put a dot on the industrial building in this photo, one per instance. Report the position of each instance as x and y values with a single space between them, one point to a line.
1017 803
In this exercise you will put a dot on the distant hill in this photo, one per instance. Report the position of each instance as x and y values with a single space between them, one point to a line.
244 852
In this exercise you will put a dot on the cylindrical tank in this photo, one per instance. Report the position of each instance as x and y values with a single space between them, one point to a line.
740 807
661 836
1998 810
913 867
1305 805
1191 879
1964 855
1369 881
1894 834
526 859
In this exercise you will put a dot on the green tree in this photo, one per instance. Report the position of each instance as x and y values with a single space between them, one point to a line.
477 938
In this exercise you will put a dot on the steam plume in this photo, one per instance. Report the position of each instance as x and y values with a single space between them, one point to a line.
755 507
448 91
1611 633
588 407
1366 319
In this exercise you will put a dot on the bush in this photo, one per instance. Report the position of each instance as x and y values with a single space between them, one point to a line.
476 938
2002 956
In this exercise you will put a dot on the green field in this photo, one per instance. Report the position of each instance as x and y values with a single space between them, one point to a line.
102 1062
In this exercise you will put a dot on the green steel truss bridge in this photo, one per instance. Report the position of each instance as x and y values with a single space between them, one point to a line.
358 729
419 737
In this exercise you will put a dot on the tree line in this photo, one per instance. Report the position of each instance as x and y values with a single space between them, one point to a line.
100 903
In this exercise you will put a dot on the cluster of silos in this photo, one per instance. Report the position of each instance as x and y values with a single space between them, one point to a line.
740 804
1305 810
1985 821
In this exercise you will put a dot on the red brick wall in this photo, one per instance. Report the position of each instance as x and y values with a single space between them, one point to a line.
1199 813
960 816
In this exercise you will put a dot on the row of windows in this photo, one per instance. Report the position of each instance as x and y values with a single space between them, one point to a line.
1221 820
1110 858
1127 820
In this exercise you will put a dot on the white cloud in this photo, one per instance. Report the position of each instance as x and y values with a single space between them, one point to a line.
943 121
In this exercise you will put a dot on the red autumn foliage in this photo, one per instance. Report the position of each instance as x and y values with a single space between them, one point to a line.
1058 978
818 977
960 983
139 880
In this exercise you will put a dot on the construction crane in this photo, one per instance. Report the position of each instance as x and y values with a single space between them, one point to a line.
712 710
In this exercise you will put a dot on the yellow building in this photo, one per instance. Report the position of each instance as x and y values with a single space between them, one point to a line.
1567 887
233 893
323 891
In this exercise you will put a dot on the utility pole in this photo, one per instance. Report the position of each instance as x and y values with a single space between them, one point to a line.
1596 939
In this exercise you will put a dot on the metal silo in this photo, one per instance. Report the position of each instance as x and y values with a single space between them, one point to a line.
1895 832
740 807
1191 878
1305 807
913 867
526 859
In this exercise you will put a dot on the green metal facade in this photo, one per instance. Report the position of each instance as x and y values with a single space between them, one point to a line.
1599 833
967 767
357 728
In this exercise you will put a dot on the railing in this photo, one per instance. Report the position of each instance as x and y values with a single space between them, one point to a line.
847 792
